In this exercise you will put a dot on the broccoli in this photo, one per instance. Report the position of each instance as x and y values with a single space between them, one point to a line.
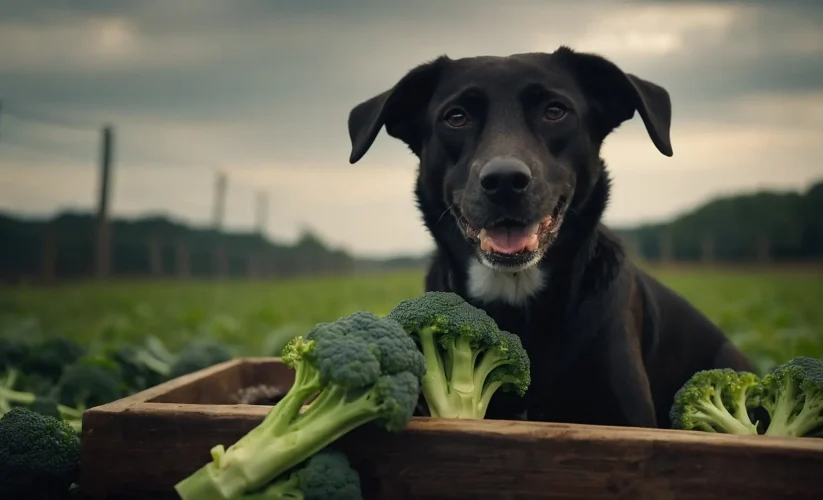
43 403
325 475
717 400
793 397
12 354
139 369
39 455
359 369
89 382
468 357
197 355
50 357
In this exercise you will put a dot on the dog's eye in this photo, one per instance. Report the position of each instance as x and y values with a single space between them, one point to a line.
456 118
554 112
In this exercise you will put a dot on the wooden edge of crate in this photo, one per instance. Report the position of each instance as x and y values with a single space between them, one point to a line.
181 382
141 403
449 458
508 429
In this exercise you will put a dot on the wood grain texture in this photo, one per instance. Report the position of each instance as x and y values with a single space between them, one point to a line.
141 449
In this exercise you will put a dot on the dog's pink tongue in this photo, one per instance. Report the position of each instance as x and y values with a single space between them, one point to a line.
508 240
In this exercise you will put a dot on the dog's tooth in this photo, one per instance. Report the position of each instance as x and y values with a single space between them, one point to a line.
485 244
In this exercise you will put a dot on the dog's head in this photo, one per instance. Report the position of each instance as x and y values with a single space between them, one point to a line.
510 145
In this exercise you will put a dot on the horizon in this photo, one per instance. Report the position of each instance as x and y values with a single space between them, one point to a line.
263 93
419 254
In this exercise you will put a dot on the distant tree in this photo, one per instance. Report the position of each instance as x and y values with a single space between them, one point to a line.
783 226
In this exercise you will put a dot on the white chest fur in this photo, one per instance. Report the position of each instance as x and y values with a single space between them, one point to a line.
489 285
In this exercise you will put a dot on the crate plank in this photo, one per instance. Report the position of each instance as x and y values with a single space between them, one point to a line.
142 448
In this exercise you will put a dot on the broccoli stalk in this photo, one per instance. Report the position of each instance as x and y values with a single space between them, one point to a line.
793 397
469 359
717 400
44 405
327 474
359 369
19 398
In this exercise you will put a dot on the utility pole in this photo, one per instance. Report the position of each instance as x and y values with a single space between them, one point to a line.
103 257
49 258
262 212
707 248
666 245
219 259
219 201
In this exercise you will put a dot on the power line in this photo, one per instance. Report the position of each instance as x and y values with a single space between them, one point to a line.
51 121
39 150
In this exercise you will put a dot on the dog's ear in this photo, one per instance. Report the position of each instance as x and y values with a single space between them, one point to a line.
400 109
617 95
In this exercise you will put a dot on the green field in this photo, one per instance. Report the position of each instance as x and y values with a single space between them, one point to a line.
772 316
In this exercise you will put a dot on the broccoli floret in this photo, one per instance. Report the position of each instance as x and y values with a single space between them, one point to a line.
44 403
50 357
12 354
793 397
717 400
325 475
10 398
357 370
468 357
39 455
89 382
138 368
197 355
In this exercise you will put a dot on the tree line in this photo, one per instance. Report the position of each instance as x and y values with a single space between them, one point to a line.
764 226
64 248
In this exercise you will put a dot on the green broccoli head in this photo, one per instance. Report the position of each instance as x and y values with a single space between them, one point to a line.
89 382
468 357
138 368
50 357
12 354
793 397
357 370
386 339
325 475
515 373
717 400
199 354
39 455
446 313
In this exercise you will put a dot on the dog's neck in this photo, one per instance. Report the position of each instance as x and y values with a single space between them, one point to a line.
473 279
487 285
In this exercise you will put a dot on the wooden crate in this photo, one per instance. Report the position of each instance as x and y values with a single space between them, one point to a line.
140 446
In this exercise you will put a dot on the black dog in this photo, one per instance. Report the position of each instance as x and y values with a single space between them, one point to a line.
512 187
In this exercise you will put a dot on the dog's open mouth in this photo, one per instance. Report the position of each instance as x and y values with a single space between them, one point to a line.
511 238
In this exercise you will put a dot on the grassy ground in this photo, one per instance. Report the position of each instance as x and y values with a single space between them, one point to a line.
773 316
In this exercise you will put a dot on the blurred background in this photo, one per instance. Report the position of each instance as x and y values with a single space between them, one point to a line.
178 169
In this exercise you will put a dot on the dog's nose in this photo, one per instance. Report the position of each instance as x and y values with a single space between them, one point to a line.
505 176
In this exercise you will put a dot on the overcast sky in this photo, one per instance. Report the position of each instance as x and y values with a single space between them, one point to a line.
261 89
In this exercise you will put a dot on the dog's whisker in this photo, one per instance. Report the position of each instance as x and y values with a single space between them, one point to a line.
445 212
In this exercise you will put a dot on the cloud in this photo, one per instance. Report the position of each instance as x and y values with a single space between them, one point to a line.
263 89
